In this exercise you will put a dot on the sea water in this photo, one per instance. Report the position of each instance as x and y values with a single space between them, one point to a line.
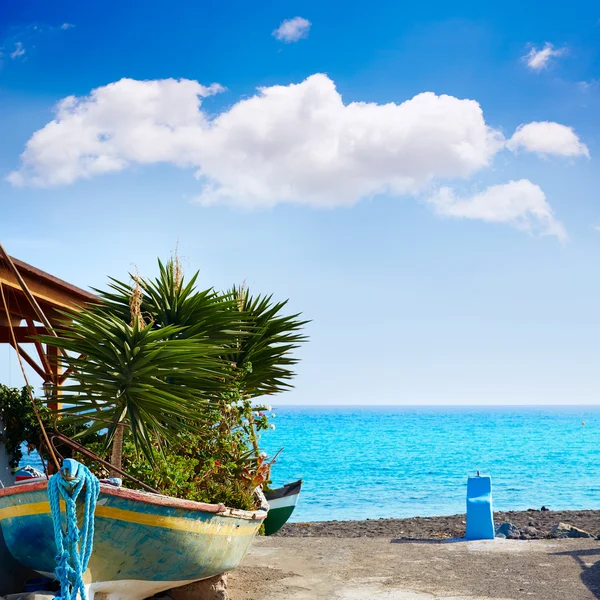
373 462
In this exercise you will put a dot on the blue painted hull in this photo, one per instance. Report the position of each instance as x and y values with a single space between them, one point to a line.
139 538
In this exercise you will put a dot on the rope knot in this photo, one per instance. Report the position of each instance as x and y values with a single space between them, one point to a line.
74 544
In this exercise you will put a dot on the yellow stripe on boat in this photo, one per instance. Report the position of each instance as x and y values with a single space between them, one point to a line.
152 520
25 510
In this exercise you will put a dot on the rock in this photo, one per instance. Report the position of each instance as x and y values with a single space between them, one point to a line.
214 588
544 509
532 532
509 531
564 530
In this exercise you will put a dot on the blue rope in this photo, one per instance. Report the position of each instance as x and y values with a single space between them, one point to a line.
74 545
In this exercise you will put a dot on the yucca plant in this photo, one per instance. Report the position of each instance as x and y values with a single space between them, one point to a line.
256 338
164 358
263 355
133 375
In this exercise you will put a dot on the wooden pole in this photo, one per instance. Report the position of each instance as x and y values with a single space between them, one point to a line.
56 369
40 350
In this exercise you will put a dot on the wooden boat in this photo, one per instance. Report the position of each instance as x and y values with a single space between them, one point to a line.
282 502
143 543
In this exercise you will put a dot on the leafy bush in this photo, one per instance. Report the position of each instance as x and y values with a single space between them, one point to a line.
20 422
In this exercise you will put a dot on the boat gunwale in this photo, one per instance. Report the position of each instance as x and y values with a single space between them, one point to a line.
149 498
289 489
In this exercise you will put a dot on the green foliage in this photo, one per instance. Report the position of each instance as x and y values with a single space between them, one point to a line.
255 339
137 375
216 464
263 358
178 368
20 422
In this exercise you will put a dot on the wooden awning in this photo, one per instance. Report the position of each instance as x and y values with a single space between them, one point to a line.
52 295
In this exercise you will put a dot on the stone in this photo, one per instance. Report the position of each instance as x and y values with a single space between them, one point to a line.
544 509
564 530
532 532
509 531
214 588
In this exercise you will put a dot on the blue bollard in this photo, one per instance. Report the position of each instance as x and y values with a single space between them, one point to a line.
480 517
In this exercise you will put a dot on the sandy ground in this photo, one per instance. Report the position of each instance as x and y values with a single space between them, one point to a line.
280 568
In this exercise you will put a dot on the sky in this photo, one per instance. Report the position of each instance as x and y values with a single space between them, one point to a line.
421 181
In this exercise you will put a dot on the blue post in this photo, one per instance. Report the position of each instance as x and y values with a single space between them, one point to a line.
480 517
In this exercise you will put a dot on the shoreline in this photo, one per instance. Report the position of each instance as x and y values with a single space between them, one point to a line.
533 524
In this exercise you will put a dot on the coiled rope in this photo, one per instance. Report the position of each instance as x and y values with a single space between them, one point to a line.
74 545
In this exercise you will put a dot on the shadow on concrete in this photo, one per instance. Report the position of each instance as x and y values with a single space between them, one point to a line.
589 561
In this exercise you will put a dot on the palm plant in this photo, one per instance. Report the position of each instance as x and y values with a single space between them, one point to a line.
162 357
255 338
132 375
263 355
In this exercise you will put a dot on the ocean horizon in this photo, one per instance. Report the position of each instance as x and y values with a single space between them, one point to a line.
390 461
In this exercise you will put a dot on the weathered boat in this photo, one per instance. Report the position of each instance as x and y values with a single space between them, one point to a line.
282 502
143 543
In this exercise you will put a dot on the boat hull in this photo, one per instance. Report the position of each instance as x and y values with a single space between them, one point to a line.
282 502
143 543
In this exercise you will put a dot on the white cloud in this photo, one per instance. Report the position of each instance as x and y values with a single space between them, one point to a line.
292 30
18 51
116 125
295 144
298 143
67 26
545 137
538 59
520 203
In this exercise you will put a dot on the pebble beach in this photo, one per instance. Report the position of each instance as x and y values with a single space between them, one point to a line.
532 524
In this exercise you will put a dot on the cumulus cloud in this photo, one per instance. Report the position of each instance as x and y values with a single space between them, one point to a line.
548 138
67 26
538 59
520 203
298 143
18 51
292 30
116 125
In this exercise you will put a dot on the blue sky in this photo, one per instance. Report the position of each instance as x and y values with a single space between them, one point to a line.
421 181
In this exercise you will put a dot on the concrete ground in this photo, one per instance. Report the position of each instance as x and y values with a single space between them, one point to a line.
384 569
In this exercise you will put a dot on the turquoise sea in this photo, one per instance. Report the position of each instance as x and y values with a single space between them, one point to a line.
372 462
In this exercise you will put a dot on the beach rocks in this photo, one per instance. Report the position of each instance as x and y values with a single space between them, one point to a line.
508 531
564 530
214 588
530 533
